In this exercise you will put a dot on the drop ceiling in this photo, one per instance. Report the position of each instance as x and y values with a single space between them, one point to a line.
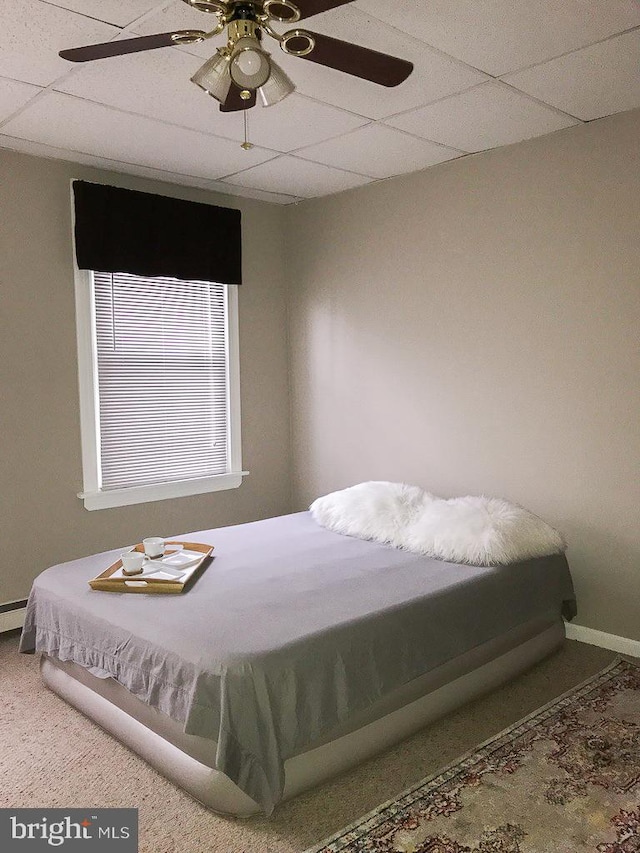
487 73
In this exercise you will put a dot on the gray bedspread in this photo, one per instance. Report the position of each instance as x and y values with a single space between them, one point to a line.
289 631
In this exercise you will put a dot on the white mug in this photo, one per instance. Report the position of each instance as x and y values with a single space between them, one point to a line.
154 547
132 562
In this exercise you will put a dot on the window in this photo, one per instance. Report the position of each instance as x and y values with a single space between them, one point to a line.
159 387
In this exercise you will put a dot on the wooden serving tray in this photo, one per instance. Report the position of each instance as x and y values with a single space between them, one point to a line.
112 579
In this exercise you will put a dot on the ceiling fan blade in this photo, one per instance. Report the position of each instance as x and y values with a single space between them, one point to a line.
353 59
117 48
234 102
314 7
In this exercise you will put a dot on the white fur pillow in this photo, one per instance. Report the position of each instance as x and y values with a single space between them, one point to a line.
477 530
376 510
481 531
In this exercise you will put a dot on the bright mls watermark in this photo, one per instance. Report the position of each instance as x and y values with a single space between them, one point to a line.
73 830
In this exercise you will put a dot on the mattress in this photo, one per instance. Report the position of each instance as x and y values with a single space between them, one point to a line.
291 633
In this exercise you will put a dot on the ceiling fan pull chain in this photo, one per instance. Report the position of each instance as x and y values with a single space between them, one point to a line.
246 144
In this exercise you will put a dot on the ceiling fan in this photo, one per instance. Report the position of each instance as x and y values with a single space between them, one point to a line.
242 71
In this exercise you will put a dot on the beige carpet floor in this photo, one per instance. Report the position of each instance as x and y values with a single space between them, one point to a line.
52 756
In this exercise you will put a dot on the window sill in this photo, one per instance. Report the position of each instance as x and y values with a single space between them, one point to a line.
160 491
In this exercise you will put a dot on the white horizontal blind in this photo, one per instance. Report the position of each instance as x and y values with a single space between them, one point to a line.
162 364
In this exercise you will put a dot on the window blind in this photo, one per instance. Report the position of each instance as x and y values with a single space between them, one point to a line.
162 379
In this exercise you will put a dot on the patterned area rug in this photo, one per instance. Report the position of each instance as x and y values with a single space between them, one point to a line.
563 780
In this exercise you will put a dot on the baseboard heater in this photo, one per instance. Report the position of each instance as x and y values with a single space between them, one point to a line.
12 615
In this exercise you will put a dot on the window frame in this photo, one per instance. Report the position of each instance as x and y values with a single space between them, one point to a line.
93 496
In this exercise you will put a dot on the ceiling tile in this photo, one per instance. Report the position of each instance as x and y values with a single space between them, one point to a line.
379 152
489 115
297 121
112 11
287 174
590 83
37 149
14 95
500 36
434 75
250 192
32 33
67 122
153 83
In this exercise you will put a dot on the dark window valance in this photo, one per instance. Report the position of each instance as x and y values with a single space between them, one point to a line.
121 230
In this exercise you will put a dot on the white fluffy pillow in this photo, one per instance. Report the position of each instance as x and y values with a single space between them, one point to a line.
477 530
376 510
481 531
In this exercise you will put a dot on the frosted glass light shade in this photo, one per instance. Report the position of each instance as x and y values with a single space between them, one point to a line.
277 87
214 77
249 67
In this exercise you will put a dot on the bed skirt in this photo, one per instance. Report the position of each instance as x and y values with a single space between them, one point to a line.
189 760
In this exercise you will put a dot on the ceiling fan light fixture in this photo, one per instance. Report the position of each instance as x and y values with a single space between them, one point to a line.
214 77
249 66
277 87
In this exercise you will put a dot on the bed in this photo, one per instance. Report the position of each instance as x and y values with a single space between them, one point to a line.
296 654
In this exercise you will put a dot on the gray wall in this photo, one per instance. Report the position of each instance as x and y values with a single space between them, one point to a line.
42 522
474 328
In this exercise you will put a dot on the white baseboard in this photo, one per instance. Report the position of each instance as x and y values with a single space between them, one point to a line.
11 619
600 638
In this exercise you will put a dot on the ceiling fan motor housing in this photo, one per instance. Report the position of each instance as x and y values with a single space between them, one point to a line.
243 28
244 11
